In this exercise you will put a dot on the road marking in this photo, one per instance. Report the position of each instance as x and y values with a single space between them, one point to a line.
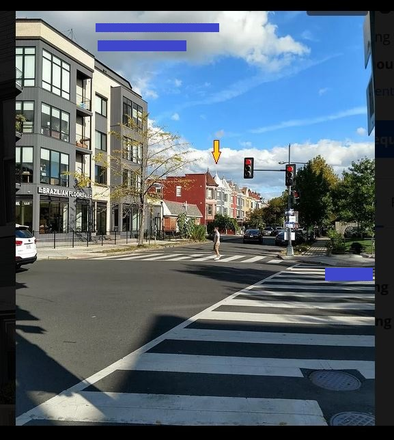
243 365
309 294
134 257
254 259
289 319
274 338
234 257
210 257
302 305
159 258
275 261
185 257
166 409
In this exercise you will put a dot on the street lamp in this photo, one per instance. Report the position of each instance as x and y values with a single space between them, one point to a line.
162 217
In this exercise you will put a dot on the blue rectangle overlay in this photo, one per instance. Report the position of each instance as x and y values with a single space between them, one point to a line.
349 273
157 27
141 45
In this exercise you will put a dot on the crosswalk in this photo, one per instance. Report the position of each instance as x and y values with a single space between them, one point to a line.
201 257
244 361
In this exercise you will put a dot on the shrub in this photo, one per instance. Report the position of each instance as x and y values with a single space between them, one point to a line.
357 248
198 233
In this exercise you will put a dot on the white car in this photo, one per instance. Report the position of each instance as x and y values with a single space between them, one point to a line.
25 246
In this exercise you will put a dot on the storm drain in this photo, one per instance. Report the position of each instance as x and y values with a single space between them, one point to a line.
352 419
335 380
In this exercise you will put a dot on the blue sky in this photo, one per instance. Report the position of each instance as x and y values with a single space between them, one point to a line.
266 80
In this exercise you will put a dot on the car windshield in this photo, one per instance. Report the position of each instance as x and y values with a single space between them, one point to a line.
23 233
249 231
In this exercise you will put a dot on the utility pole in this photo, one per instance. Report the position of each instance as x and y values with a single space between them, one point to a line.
290 250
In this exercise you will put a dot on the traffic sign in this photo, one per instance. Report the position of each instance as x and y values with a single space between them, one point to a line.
292 218
289 225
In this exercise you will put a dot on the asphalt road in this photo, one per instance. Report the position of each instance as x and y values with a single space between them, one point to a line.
76 317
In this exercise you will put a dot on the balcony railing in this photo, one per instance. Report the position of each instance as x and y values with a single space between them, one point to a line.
18 77
83 102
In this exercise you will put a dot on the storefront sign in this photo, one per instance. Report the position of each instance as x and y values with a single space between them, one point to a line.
63 192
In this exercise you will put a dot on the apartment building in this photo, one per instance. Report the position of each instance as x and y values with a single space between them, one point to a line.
69 103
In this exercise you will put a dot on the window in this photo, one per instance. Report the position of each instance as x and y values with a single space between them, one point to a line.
24 164
53 166
135 112
26 63
55 75
209 210
55 123
101 105
127 176
53 215
178 190
225 197
25 108
101 141
127 111
100 175
126 151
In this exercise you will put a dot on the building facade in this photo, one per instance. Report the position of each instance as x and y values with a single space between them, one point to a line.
70 102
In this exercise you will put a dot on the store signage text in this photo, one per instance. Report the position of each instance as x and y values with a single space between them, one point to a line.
63 192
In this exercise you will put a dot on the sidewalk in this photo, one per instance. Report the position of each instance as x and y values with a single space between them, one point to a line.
81 252
317 254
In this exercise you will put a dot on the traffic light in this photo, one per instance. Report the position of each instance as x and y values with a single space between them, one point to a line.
290 174
248 167
296 194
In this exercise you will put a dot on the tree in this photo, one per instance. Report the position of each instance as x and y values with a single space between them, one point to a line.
354 196
255 218
158 153
274 213
315 183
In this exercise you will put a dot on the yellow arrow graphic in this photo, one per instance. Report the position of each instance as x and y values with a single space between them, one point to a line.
216 151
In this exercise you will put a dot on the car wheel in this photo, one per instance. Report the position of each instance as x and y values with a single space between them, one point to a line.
18 266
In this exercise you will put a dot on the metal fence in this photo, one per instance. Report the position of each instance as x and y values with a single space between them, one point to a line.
86 239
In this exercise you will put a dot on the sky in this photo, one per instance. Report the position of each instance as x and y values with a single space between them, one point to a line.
264 81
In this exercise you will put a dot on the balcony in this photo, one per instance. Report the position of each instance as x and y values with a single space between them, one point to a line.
83 106
18 79
83 144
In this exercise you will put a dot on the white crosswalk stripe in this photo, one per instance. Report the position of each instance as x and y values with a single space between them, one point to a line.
197 257
242 361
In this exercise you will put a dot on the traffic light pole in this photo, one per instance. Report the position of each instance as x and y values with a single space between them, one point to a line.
290 250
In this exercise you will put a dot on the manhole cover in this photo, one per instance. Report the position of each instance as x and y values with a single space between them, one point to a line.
335 380
352 419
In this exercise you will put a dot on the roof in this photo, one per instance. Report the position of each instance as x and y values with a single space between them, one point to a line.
177 208
211 180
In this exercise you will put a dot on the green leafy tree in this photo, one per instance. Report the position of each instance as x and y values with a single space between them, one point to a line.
255 218
315 183
354 196
273 214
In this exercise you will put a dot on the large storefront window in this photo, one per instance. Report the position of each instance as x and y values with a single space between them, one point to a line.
53 215
24 164
53 167
24 212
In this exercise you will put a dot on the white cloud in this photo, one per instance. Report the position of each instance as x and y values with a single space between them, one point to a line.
338 154
219 134
246 35
303 122
307 35
177 82
175 117
361 131
323 91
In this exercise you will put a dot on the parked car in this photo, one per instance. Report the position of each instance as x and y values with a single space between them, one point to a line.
280 239
268 230
25 246
276 231
253 235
